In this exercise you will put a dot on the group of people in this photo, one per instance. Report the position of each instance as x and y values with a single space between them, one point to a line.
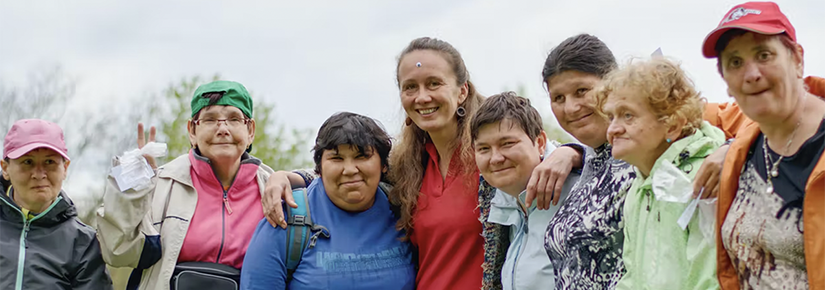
472 194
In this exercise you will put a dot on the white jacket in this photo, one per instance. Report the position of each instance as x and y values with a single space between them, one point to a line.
132 222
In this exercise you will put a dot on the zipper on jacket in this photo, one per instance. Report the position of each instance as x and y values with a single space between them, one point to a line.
223 225
226 203
21 253
225 190
226 208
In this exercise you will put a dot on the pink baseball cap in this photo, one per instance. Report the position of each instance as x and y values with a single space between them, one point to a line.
759 17
29 134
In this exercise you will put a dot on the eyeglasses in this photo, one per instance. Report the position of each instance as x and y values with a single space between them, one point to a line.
233 122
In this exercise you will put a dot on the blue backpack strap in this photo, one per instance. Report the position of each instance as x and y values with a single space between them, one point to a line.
298 230
301 232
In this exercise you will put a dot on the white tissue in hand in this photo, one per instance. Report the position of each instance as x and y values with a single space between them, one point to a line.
154 149
134 172
671 184
707 219
687 215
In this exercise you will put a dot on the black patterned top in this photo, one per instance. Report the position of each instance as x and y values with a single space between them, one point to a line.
584 240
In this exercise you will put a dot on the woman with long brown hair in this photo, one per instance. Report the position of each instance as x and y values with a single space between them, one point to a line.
442 205
438 185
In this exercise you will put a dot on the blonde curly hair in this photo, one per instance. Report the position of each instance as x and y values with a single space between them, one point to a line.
667 88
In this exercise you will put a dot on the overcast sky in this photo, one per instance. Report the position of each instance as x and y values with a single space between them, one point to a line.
314 59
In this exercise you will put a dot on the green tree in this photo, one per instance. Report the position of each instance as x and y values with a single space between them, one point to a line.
276 145
272 143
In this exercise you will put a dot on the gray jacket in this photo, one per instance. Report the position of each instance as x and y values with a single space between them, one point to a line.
57 250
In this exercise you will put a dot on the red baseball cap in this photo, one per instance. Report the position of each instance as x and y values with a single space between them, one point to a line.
29 134
760 17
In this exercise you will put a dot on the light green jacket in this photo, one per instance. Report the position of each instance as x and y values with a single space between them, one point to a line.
657 253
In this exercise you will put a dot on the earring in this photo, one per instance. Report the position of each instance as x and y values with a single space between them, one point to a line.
460 111
668 140
408 121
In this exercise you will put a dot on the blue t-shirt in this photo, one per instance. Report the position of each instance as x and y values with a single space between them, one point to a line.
363 250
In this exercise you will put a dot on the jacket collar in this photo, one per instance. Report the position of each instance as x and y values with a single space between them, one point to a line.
816 85
202 166
4 184
505 208
177 170
61 210
700 144
180 169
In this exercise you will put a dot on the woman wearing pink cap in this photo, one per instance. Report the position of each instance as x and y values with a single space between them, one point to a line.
44 245
771 222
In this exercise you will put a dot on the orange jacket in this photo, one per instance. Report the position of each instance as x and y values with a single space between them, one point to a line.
816 86
813 210
726 116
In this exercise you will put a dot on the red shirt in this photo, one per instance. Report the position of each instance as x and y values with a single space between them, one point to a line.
446 228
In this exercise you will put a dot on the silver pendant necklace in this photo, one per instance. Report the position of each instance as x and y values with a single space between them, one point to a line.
772 167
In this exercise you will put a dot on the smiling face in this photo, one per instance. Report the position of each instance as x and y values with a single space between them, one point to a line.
430 93
638 136
36 177
763 75
506 156
351 177
573 101
222 141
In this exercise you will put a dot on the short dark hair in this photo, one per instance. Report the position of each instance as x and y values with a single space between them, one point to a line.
359 131
729 35
584 52
507 105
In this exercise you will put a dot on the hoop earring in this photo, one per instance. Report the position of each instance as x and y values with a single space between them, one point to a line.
408 121
460 111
